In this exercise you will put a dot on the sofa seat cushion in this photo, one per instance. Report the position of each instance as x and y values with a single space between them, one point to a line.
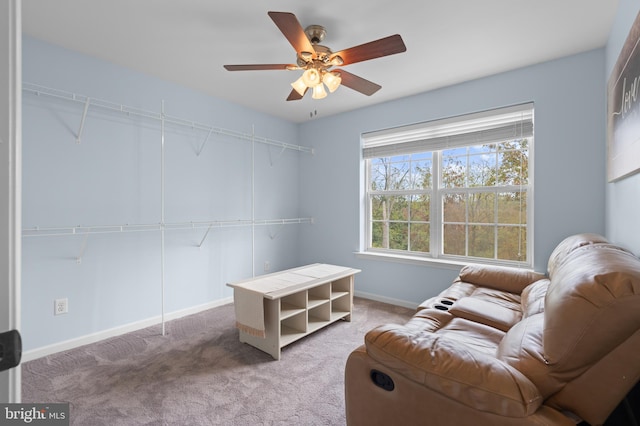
455 357
474 335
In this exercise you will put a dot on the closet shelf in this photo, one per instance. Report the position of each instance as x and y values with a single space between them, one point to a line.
87 105
39 90
109 229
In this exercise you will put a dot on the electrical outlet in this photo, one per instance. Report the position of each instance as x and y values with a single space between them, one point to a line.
267 266
60 306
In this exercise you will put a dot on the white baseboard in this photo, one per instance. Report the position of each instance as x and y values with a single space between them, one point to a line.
138 325
117 331
389 300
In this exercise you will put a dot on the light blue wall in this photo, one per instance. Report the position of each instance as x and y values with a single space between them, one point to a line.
569 170
113 177
623 197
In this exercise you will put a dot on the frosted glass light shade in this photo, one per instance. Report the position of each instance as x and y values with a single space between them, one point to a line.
332 80
311 77
299 86
319 92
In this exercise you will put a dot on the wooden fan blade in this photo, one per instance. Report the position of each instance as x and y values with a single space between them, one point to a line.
358 84
257 67
295 96
374 49
292 30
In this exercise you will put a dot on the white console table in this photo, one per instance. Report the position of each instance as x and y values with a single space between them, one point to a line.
276 309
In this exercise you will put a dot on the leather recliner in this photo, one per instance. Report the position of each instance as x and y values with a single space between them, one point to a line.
506 346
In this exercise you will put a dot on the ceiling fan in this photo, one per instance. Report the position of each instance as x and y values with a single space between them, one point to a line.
318 61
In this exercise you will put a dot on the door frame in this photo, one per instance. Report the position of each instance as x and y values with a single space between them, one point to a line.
10 183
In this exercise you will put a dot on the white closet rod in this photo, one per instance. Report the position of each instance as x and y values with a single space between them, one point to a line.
112 229
60 94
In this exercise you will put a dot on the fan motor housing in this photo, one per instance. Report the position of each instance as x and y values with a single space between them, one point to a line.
315 33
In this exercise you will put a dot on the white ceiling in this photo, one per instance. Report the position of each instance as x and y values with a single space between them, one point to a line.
448 41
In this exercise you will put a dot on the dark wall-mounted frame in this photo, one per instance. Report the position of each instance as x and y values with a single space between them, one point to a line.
623 110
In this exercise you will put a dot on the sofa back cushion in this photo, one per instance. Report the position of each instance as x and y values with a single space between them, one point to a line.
503 278
522 349
569 244
532 298
592 305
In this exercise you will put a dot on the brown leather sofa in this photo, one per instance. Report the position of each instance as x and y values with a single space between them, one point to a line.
505 346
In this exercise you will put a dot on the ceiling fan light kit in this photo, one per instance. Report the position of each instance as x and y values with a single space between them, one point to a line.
314 79
317 60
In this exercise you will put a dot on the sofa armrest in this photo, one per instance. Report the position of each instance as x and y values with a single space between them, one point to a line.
454 369
504 278
485 312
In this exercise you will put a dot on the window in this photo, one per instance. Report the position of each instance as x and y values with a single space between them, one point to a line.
457 189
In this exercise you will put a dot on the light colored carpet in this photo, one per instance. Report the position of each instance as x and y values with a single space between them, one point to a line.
200 374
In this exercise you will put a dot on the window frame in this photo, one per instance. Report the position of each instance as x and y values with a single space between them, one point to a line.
436 215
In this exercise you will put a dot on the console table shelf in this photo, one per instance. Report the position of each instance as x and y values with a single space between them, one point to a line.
287 310
293 304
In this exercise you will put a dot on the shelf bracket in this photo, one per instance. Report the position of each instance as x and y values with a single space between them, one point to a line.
84 116
204 143
83 248
273 235
206 234
271 161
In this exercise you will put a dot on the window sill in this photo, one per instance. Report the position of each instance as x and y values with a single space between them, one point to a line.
412 260
428 261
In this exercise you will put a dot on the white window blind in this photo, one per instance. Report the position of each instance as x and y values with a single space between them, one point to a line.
472 129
